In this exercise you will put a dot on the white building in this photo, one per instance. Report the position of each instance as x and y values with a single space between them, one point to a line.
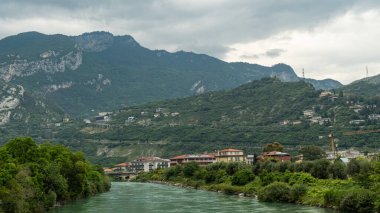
146 164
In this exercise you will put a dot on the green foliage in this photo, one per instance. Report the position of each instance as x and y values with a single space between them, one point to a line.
35 177
275 192
242 177
297 191
361 201
276 146
338 169
312 152
319 169
189 169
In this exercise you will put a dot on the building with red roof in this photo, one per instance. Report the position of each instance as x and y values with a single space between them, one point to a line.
230 155
279 156
201 159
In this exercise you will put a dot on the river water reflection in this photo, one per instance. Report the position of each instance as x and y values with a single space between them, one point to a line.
145 197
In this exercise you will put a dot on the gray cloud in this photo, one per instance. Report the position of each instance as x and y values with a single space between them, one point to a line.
273 53
179 23
209 27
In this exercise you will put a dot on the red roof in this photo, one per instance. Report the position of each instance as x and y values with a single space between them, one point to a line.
179 157
122 164
231 150
275 153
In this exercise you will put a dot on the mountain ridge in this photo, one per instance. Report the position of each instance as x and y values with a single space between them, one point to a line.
98 71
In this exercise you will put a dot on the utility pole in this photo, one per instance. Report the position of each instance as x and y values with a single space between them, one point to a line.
303 73
333 145
367 71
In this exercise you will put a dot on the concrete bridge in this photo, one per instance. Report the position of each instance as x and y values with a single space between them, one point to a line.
122 175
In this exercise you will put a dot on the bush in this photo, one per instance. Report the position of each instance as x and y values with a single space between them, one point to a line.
296 192
189 169
275 192
242 177
358 201
319 169
333 197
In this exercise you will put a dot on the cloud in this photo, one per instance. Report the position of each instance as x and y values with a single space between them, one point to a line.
274 53
214 27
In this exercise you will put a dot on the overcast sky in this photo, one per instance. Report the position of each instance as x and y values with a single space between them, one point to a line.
328 38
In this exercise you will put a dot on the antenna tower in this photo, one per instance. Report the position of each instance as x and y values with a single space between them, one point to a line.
367 71
303 73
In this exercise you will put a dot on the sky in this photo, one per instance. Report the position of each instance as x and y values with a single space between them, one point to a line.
327 38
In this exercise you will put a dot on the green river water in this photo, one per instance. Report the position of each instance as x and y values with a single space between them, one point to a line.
145 197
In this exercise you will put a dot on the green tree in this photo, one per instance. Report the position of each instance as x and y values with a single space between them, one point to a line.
273 147
319 169
312 152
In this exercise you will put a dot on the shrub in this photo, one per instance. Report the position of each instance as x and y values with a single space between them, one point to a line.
333 197
358 201
275 192
296 192
242 177
319 169
189 169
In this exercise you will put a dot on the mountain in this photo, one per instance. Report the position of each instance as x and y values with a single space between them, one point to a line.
247 117
23 114
368 87
98 71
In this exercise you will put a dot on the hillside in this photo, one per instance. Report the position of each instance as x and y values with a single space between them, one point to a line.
23 114
367 87
99 71
254 114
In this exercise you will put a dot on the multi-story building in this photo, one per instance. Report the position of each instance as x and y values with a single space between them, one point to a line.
279 156
230 155
202 159
146 164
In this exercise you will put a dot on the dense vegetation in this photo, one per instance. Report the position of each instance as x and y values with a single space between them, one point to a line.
367 87
33 178
246 117
354 187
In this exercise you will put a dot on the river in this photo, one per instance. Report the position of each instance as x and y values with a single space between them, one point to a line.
145 197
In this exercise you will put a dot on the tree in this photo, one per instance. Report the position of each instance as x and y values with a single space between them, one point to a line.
319 169
312 152
242 177
338 170
273 147
189 169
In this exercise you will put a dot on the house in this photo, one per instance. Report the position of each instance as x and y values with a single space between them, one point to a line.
315 120
104 113
279 156
297 122
250 159
66 119
103 118
357 122
146 164
374 116
284 122
230 155
202 159
308 113
173 114
325 94
122 167
86 121
357 108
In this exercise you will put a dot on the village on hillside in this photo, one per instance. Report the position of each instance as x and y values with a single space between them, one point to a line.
128 170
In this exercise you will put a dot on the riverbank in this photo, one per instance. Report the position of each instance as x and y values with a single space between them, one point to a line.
161 198
309 183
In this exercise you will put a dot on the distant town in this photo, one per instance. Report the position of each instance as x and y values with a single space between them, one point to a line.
128 170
